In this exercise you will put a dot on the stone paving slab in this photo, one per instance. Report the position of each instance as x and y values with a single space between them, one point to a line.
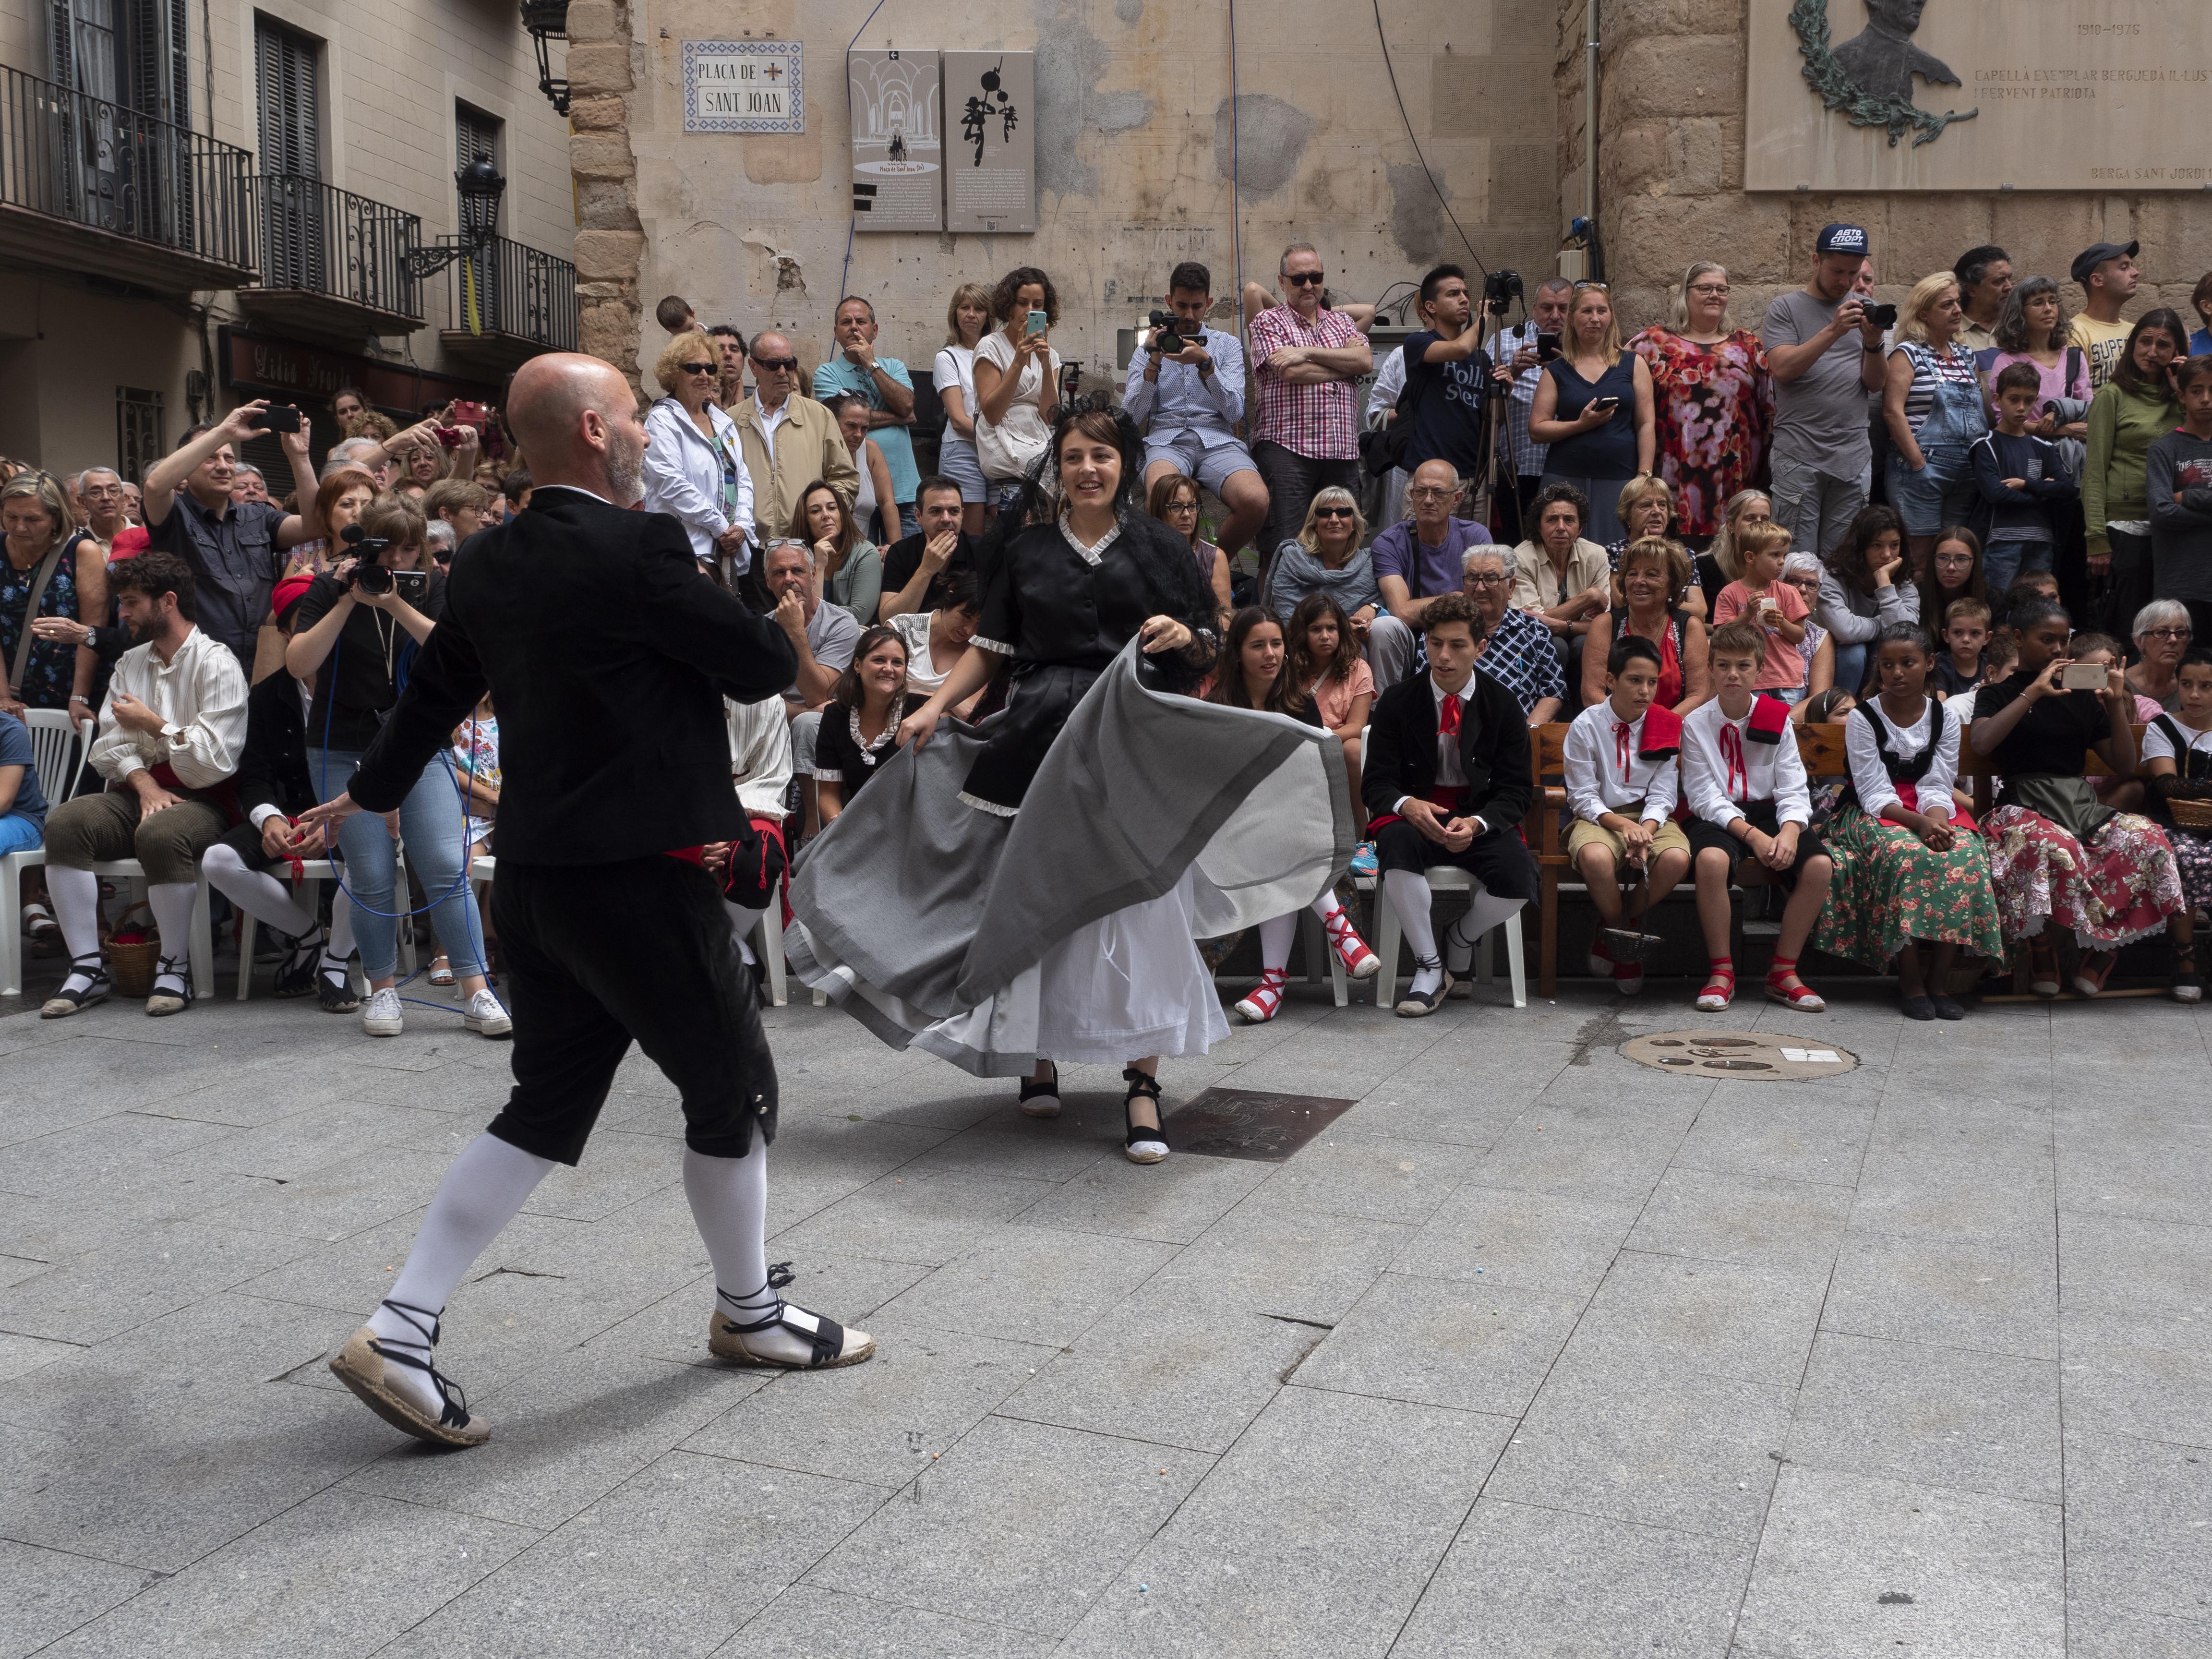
1532 1353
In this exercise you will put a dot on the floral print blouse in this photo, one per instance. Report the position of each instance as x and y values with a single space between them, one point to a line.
1715 404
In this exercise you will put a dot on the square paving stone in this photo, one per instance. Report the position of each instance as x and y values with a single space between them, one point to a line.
805 1622
1472 1346
2119 1264
1562 1245
1021 1524
1522 1582
1755 1219
1173 1202
50 1594
1982 1422
1348 1173
333 1576
2002 1298
1659 1313
1851 1564
1172 1365
1548 1152
1953 1202
1321 1526
1792 1139
670 1563
139 1277
2149 1376
1293 1263
882 1423
1654 1447
930 1217
2139 1526
1029 1285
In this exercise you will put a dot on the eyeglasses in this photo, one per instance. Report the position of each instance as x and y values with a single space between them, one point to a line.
1430 492
697 368
1487 579
2163 633
1303 278
1712 290
773 363
1182 506
1333 512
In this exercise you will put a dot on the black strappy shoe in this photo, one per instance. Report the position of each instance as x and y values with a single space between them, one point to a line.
831 1344
297 976
162 1002
1418 1005
1041 1099
1145 1144
361 1366
65 1002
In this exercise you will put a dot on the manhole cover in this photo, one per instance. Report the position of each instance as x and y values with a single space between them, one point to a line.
1251 1123
1770 1056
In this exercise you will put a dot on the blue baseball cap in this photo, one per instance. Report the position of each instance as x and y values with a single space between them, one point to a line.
1841 238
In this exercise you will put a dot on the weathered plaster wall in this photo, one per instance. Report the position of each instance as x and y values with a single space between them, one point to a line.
1134 130
1670 180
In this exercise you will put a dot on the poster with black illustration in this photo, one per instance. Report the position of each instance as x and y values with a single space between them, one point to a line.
990 141
899 149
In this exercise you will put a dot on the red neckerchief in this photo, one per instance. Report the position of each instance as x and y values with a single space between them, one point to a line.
1447 716
1736 784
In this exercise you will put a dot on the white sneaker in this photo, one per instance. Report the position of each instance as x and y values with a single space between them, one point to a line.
484 1016
381 1015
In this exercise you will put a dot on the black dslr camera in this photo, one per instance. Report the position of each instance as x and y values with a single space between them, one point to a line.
1165 340
1500 289
371 577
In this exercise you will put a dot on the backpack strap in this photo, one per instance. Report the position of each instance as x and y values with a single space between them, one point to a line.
39 578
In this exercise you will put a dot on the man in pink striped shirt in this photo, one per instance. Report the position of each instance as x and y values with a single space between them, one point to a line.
1305 430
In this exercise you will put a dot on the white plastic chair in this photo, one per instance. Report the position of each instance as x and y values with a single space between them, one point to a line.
1449 878
199 951
313 872
58 746
770 950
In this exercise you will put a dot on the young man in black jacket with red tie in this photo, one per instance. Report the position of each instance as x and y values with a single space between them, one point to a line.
608 653
1445 780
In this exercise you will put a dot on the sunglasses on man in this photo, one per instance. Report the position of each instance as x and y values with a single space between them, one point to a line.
775 362
1305 278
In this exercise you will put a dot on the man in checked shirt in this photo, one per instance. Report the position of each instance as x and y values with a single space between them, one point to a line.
1305 428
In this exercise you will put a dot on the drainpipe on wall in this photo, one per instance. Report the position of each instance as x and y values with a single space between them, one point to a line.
1590 134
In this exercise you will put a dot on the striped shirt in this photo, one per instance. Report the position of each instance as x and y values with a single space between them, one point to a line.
1321 421
1956 366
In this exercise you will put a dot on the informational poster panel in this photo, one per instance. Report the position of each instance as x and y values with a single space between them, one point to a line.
1977 95
990 139
899 149
743 86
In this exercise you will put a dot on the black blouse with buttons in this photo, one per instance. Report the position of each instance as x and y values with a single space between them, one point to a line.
1052 605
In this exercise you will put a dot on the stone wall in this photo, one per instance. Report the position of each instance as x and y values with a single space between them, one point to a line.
1134 129
1670 183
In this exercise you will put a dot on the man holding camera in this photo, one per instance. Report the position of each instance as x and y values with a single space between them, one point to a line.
1824 346
1521 352
1188 379
234 550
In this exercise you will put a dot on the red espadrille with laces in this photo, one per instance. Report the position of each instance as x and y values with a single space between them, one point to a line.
1359 962
1720 985
1266 997
1783 986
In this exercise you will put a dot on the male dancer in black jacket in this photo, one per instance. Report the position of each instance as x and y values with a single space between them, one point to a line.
608 653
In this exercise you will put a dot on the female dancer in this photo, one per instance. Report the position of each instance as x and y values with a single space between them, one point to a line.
1251 677
1064 856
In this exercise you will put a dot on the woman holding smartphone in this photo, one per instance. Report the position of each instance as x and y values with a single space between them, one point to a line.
1594 408
1017 381
353 630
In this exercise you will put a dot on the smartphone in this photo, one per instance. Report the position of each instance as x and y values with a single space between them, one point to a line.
1038 322
1547 346
1607 404
2082 677
277 418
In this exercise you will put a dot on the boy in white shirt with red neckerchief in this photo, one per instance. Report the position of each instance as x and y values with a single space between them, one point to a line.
1622 782
1745 783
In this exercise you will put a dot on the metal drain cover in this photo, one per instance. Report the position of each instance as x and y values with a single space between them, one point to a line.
1769 1056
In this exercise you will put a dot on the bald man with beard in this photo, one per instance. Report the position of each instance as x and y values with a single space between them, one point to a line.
608 653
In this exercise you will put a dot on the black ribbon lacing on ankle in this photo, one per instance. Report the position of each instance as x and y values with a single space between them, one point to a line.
456 1404
827 1339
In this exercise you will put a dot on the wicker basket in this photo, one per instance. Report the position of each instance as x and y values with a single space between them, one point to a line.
2191 814
131 966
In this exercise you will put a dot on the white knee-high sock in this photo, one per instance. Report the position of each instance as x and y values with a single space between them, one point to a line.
729 1204
257 892
1275 935
339 946
76 893
743 918
1485 912
1408 892
486 1186
172 903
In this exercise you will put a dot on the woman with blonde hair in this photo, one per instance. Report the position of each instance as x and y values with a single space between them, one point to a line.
1719 565
1325 557
1594 408
967 318
51 568
694 470
1933 407
1713 401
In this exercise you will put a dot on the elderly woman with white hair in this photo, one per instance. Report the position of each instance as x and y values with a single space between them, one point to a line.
2161 633
1932 403
694 470
1713 401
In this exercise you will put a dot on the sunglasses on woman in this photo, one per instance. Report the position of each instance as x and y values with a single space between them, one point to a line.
1332 513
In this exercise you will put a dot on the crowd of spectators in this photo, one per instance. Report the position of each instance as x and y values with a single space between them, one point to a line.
1891 517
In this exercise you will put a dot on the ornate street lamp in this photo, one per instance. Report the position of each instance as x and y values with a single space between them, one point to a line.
480 186
547 21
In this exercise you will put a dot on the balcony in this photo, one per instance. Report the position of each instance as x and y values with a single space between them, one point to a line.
93 186
333 265
506 305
